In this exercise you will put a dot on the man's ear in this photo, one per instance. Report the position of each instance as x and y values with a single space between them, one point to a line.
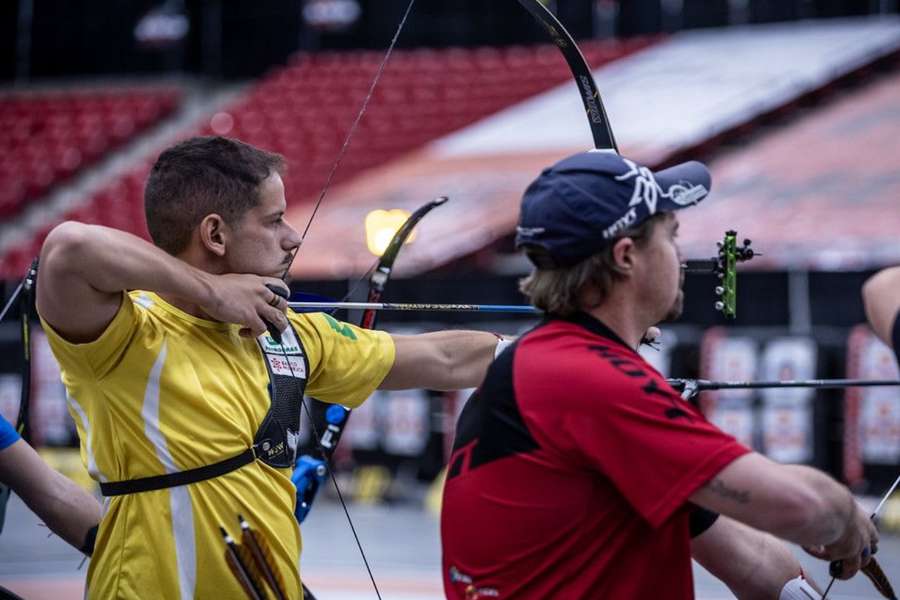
623 255
214 233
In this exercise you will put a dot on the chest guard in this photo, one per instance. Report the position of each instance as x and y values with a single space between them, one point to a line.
278 436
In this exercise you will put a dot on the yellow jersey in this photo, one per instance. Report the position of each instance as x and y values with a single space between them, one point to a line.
162 391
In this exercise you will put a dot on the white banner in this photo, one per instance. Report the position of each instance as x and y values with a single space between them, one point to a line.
405 422
736 421
879 407
362 428
787 433
785 359
730 359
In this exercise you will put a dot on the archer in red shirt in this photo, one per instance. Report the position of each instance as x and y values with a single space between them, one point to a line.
573 481
576 469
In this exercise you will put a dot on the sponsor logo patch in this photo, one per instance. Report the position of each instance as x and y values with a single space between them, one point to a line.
292 366
289 344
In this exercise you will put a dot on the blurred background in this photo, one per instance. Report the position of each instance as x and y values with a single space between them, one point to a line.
794 104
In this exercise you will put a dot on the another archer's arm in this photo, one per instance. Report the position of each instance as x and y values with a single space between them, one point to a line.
795 503
751 563
68 510
444 360
881 297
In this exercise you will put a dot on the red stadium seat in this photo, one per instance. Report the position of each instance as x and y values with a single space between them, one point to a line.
303 110
53 135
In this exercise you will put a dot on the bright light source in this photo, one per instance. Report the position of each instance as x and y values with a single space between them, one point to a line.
381 225
162 27
331 15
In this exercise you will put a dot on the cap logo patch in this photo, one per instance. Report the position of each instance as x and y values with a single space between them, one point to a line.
685 193
620 225
647 190
530 231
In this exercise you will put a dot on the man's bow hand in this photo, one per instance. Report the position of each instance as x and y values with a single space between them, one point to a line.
309 475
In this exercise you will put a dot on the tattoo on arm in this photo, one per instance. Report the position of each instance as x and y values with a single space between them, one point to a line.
718 486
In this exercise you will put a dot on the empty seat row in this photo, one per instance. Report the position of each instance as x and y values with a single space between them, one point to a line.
47 137
304 110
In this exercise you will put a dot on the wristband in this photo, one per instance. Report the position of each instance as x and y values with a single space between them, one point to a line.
88 547
502 344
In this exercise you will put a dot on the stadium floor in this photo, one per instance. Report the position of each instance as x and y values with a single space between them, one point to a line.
400 543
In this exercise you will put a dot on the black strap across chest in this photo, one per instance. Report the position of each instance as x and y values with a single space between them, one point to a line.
159 482
276 440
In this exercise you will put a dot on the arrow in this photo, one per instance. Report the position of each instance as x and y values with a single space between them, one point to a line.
414 306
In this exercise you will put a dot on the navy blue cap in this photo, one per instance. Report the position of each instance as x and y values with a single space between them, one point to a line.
575 208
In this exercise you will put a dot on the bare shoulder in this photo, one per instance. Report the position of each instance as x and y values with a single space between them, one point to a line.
65 299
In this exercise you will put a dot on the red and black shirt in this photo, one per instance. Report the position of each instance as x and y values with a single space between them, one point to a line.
571 472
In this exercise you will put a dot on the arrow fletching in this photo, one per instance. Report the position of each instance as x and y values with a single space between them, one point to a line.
240 569
260 556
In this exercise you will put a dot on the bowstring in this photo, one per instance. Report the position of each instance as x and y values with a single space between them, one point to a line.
12 299
334 167
346 145
340 496
343 151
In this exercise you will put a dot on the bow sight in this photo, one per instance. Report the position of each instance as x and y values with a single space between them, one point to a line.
724 266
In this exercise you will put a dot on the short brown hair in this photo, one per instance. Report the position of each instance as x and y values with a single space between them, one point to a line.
200 176
559 291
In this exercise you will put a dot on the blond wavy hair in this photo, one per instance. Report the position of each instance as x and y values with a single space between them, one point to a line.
561 291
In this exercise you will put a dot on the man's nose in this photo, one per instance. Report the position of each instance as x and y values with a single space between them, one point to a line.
292 239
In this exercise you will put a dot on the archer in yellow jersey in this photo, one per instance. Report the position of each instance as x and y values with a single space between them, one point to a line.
170 380
163 391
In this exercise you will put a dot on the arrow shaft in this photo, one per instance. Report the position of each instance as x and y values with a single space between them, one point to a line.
413 306
703 385
885 498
